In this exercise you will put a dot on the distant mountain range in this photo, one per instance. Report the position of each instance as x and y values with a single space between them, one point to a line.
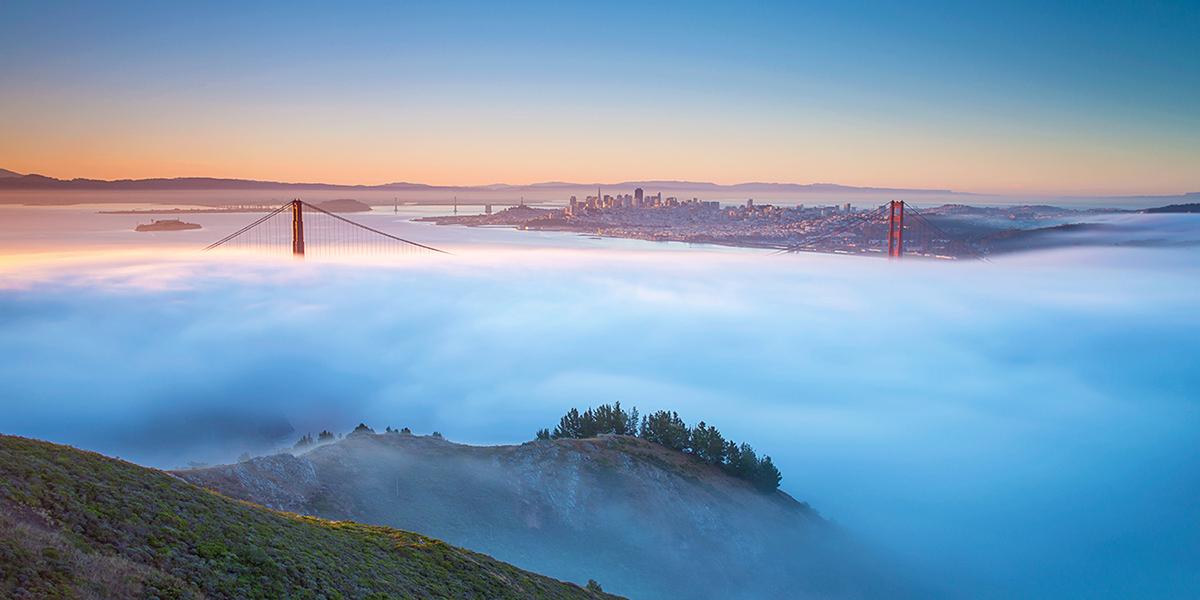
10 180
16 181
1192 207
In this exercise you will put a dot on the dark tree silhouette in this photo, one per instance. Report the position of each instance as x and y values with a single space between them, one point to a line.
666 428
768 477
707 444
733 457
611 418
704 441
569 426
741 461
631 421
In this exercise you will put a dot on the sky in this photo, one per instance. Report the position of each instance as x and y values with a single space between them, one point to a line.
1013 97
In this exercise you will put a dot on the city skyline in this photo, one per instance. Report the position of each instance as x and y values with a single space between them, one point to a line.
1013 99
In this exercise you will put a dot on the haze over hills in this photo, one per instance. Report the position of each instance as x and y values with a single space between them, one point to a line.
237 190
75 524
34 181
644 520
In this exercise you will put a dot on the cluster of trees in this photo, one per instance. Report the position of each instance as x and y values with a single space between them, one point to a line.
307 439
703 441
592 422
328 436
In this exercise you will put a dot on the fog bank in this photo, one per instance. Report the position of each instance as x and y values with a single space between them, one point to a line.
1025 427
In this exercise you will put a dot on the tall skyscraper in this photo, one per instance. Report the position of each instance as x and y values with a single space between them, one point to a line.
637 197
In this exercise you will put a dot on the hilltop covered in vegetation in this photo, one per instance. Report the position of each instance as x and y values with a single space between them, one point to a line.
705 442
78 524
644 519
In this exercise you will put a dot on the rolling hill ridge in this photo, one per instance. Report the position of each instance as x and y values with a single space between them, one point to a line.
643 519
78 524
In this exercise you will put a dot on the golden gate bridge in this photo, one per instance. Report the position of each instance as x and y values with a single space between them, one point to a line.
309 230
893 229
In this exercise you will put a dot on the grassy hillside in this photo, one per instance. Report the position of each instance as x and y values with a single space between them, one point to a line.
76 524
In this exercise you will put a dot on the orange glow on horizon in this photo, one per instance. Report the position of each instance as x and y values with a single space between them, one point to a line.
1000 167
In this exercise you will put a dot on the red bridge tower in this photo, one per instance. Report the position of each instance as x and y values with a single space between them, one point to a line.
297 228
896 228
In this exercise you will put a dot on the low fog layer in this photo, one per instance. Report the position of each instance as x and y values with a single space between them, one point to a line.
1021 427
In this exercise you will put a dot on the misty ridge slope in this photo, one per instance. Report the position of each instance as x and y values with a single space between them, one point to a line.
76 524
644 520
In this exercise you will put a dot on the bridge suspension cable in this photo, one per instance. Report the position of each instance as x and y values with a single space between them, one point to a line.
316 230
896 227
963 244
856 219
239 232
372 230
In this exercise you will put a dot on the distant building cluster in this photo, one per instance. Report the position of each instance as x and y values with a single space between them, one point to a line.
600 203
644 216
638 199
837 228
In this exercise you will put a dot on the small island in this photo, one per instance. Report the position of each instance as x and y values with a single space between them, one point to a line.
166 225
344 205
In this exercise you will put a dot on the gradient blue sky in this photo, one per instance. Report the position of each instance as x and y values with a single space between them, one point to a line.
1095 97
